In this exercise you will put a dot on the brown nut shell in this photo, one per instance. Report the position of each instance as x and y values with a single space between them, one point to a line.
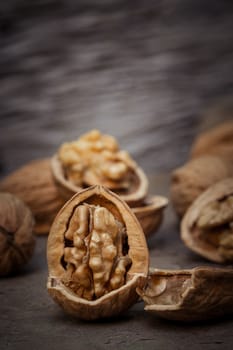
189 295
193 178
217 141
78 242
150 214
133 197
34 184
16 237
206 227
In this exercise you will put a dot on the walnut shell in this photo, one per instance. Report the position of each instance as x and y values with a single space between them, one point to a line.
193 178
189 295
97 255
34 184
217 141
96 159
207 226
16 236
150 214
133 197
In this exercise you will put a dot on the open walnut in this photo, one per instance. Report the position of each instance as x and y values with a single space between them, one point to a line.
95 159
207 227
189 295
97 255
16 237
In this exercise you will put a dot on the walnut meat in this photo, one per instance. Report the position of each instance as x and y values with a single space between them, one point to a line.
97 255
33 183
16 237
95 159
190 180
207 227
189 295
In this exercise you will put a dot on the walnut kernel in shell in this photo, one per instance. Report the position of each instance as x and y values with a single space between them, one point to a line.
95 159
207 227
97 255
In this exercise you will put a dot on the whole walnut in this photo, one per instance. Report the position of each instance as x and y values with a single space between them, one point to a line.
194 177
216 141
16 234
33 183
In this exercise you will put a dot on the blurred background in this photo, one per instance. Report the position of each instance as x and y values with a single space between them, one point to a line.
151 73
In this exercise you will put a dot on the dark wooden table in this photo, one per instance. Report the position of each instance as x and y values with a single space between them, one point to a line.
31 320
142 71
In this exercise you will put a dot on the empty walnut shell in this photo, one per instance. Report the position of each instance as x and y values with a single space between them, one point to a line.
34 184
95 159
97 255
150 214
16 236
194 177
207 227
217 141
189 295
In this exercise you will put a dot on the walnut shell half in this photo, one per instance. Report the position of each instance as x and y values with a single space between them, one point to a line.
188 295
150 213
97 255
207 227
95 159
33 183
16 237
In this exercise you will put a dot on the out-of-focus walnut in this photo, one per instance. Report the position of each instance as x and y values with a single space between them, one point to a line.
190 180
95 159
217 141
97 255
16 237
189 295
33 183
207 227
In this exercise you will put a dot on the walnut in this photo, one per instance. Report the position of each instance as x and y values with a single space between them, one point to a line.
207 227
95 159
33 183
189 295
16 237
190 180
216 141
97 255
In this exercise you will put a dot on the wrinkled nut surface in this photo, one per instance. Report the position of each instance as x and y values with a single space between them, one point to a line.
16 237
193 178
189 295
33 184
95 159
97 255
207 227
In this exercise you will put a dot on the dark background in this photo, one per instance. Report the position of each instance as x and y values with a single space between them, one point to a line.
151 73
144 71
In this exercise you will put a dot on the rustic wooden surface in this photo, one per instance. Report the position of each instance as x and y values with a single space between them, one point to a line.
143 71
31 320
